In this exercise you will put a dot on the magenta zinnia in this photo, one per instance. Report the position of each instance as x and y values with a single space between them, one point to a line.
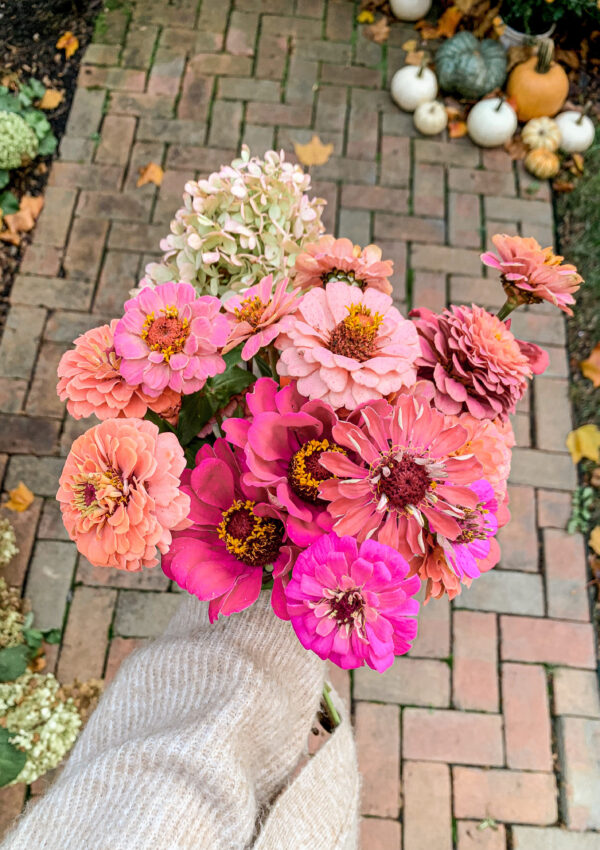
353 605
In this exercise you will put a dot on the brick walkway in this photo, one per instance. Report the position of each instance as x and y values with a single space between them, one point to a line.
495 714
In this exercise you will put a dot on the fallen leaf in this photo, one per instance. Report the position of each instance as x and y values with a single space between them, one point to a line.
22 221
410 46
578 162
365 17
51 99
568 57
457 129
584 442
594 540
314 152
516 148
19 499
414 58
150 173
37 664
69 43
445 27
590 368
454 109
465 6
563 186
517 54
378 32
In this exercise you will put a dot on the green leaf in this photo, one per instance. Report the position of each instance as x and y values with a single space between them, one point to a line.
47 144
4 178
38 122
8 203
263 367
52 635
12 760
33 638
37 88
196 410
234 380
160 423
13 662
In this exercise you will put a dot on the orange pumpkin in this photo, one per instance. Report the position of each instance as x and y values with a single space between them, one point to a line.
542 163
538 86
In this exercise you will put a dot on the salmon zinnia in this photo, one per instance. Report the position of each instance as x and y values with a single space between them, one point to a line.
338 259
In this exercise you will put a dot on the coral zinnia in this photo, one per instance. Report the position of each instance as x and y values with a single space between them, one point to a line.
531 274
353 605
91 383
119 493
474 361
283 444
169 338
347 347
256 316
338 259
489 444
399 484
234 537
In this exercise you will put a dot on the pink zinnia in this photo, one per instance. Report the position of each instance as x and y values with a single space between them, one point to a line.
119 493
283 444
353 605
488 443
347 347
235 539
338 259
474 361
400 477
531 274
256 316
91 383
170 338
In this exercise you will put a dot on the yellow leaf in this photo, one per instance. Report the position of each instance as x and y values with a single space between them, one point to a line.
578 162
594 540
51 99
19 499
314 152
378 32
150 173
590 368
410 46
446 25
69 43
365 17
22 221
584 442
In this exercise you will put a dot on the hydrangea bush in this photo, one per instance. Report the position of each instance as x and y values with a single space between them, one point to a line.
8 542
18 142
246 221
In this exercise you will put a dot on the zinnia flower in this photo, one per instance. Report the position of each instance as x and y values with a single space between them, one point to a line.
490 443
474 361
338 259
531 274
283 444
170 338
256 316
119 493
346 347
91 383
353 605
235 538
408 475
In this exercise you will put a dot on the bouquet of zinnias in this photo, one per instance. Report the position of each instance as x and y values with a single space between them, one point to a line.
300 436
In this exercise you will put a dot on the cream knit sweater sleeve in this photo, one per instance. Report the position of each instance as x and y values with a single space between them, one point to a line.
196 744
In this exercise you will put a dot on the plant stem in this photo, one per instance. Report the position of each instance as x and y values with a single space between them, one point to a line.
331 710
273 362
507 308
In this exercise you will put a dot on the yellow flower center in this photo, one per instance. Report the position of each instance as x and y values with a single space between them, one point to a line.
99 493
252 539
251 311
305 471
166 333
356 335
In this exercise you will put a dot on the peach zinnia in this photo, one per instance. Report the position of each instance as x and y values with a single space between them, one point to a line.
119 493
338 259
347 347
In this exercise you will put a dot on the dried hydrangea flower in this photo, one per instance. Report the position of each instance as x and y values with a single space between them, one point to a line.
11 616
8 542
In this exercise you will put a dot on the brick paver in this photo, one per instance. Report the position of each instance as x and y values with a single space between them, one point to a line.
487 735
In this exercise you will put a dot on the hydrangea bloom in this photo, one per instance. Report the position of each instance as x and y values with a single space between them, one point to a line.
90 381
235 534
12 618
8 542
257 317
347 347
474 361
353 605
244 222
283 444
531 274
403 474
119 493
338 259
170 338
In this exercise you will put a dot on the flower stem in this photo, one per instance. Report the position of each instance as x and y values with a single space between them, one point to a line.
330 709
272 362
507 308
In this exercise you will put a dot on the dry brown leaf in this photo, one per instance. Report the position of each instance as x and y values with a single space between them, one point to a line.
22 221
414 58
314 152
516 148
567 57
19 499
410 46
465 6
379 31
457 129
516 55
590 368
150 173
563 186
69 43
51 99
446 25
578 163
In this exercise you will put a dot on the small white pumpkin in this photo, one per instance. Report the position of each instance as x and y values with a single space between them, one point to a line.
410 10
491 122
430 118
576 131
413 85
541 133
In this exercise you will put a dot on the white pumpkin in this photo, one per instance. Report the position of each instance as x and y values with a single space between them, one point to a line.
491 122
576 131
410 10
541 133
430 118
413 85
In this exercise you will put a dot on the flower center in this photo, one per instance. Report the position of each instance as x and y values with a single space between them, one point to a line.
305 471
356 335
348 277
252 539
348 608
403 482
99 493
472 525
166 333
251 311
